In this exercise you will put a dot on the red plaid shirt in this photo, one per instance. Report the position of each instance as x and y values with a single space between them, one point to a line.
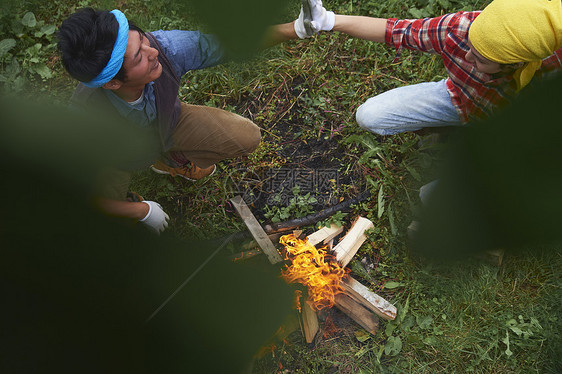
473 94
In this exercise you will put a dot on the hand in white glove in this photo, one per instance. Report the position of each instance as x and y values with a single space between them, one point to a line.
302 24
156 218
313 18
322 20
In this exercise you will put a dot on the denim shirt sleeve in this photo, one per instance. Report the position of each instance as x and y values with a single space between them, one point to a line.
190 50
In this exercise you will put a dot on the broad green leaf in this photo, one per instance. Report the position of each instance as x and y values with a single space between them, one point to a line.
36 47
393 346
404 310
390 327
29 20
48 29
437 330
362 335
380 202
407 323
13 68
516 330
390 285
414 339
18 84
424 321
43 71
6 45
430 340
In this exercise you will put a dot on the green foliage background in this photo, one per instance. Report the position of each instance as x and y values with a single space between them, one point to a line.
455 316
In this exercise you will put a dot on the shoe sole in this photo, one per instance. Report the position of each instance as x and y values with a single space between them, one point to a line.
307 17
163 172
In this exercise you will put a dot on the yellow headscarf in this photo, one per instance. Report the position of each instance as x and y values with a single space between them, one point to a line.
511 31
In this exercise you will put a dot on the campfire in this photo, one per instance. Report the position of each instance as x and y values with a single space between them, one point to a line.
320 266
313 268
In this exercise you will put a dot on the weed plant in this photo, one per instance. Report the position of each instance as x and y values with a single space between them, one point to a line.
464 316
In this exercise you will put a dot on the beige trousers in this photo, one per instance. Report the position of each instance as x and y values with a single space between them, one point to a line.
204 136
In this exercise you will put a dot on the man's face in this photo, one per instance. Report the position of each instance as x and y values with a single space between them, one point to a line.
481 63
141 61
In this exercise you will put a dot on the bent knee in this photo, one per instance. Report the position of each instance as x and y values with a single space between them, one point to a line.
368 117
362 117
251 137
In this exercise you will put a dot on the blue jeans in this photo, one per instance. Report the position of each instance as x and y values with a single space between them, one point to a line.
408 108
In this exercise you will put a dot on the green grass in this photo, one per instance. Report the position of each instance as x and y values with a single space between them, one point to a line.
453 317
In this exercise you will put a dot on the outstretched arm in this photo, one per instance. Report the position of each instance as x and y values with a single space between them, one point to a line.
301 27
148 212
278 34
123 209
367 28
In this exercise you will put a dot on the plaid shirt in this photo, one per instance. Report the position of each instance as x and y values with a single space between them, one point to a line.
474 94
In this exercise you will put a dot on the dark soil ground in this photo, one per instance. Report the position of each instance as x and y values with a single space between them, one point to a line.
312 159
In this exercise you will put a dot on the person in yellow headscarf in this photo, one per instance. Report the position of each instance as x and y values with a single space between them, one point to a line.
518 32
489 55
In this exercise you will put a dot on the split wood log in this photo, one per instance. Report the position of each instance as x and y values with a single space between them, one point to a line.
315 217
309 322
368 299
325 234
349 245
273 237
357 312
253 244
256 230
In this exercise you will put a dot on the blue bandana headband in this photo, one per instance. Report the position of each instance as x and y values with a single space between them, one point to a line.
119 48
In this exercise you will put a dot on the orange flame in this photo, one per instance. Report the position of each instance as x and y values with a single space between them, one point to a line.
298 296
309 267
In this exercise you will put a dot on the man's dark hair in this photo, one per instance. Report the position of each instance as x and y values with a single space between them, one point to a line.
86 40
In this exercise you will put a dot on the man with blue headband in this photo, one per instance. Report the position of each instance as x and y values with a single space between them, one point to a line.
136 76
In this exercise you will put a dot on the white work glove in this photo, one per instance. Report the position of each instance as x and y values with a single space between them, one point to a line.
322 20
302 24
156 218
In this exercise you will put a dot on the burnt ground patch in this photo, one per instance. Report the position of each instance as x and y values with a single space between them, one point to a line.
314 166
